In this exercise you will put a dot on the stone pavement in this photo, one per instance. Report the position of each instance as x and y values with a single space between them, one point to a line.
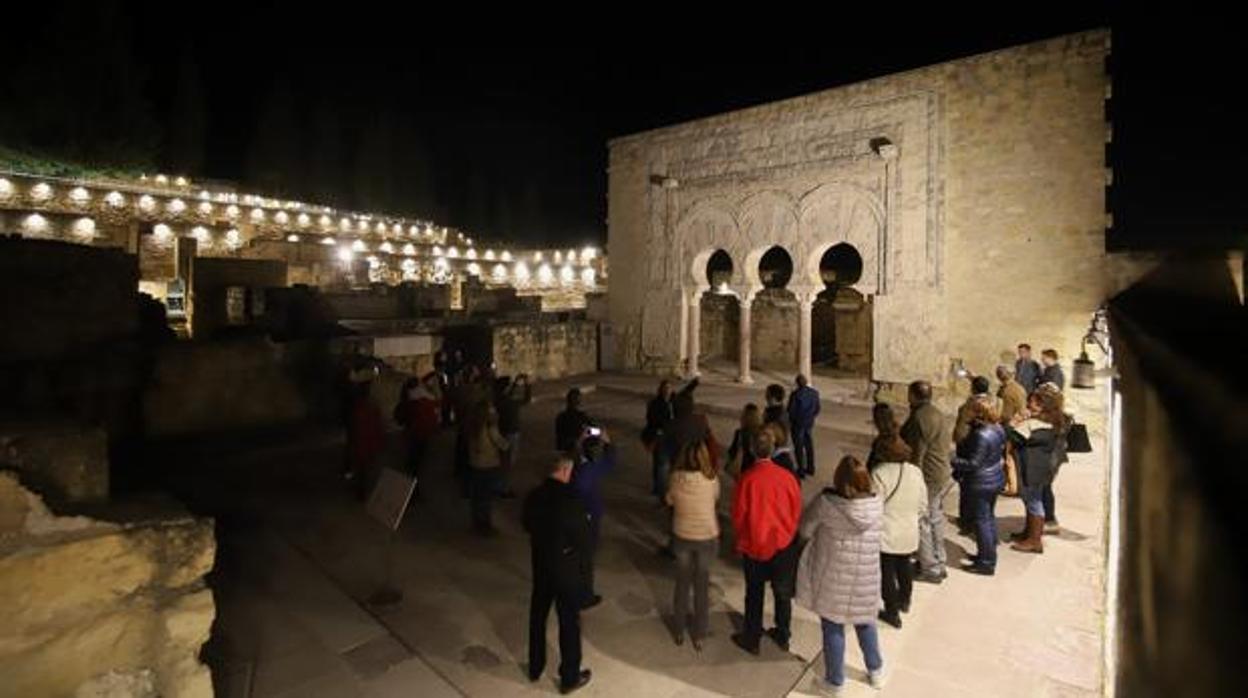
299 558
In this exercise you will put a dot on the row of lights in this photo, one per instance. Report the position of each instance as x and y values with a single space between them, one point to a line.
80 197
499 273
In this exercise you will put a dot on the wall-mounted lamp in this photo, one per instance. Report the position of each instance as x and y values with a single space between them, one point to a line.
664 181
885 148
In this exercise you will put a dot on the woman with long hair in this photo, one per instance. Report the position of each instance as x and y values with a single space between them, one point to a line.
1040 442
741 451
839 574
900 484
692 491
979 468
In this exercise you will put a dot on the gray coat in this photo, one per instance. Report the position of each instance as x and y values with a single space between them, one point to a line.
839 574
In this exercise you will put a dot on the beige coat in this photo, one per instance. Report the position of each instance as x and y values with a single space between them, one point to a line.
693 498
902 485
1013 400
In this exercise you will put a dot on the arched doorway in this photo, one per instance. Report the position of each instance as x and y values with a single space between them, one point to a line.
719 324
841 324
774 313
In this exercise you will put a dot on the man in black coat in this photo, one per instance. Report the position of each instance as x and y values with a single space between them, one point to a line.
559 531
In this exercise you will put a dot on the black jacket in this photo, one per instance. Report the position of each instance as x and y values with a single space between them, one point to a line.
559 532
568 427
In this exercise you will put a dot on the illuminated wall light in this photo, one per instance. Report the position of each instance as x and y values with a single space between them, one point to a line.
233 239
175 206
162 232
282 218
373 261
567 275
468 241
345 254
386 247
545 275
344 225
413 230
147 204
362 226
588 253
79 196
83 228
257 215
500 272
571 255
35 224
359 246
537 256
410 269
115 199
41 192
204 195
474 269
205 208
409 249
325 221
558 257
452 252
506 257
437 251
380 228
588 276
471 254
201 234
181 182
292 238
489 255
6 189
328 241
396 229
441 265
522 272
304 220
232 212
161 179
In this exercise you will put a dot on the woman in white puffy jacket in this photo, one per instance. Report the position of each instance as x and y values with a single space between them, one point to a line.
839 574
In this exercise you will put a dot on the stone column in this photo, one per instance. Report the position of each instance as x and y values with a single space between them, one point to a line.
684 329
805 306
746 303
695 332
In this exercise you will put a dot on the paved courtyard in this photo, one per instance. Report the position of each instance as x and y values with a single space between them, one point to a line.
299 557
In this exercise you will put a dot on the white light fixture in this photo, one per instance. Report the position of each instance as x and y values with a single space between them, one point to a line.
386 247
181 182
304 220
344 225
41 192
205 208
474 269
359 246
161 179
292 238
362 225
409 249
325 221
79 196
437 251
204 195
567 275
6 189
522 272
500 272
328 241
83 228
201 234
115 199
162 232
35 224
452 252
232 212
489 255
545 275
571 255
147 204
537 256
233 239
379 228
558 257
588 253
345 254
282 218
589 276
175 206
506 257
257 215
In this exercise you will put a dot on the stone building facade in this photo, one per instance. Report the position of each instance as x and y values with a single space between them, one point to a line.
972 191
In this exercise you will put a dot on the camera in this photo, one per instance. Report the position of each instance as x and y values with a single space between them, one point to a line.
594 431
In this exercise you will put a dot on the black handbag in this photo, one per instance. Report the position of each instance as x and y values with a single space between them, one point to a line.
1077 440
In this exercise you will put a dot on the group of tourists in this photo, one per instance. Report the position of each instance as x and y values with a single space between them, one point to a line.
851 554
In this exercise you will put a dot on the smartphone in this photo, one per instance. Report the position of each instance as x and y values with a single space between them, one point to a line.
595 431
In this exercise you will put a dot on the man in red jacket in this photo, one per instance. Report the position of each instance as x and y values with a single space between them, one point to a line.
766 510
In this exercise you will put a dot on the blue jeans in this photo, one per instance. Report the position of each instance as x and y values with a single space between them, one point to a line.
1033 499
804 448
982 507
834 649
1050 507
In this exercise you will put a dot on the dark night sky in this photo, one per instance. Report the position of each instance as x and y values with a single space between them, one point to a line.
504 131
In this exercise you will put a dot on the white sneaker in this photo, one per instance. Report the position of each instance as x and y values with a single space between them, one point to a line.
824 687
877 678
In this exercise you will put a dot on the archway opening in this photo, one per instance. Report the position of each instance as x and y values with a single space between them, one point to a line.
775 268
720 315
774 314
841 329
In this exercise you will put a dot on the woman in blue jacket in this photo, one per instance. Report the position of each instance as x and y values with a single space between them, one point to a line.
979 468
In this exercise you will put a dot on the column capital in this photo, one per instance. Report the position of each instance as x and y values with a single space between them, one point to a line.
746 294
806 295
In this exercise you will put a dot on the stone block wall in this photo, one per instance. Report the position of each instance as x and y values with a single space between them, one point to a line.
82 598
212 278
546 350
68 463
981 225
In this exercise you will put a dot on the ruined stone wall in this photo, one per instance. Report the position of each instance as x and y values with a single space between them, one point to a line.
546 350
984 227
214 276
720 320
82 599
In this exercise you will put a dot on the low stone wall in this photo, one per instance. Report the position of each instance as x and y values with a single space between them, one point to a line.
546 351
65 461
83 601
